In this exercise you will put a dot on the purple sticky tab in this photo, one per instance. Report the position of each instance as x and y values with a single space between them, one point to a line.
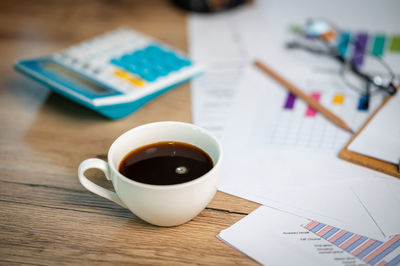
291 98
360 47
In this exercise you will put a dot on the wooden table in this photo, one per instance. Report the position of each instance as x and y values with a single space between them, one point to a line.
46 216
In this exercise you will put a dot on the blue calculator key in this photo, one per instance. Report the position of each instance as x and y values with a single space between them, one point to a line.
151 48
170 55
176 65
185 62
162 71
154 48
147 77
151 78
151 62
167 66
125 58
132 68
145 62
188 63
115 62
138 53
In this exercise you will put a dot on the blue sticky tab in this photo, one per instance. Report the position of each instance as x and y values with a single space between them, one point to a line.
363 103
343 43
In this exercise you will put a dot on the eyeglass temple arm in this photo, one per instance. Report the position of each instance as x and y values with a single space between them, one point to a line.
391 88
294 45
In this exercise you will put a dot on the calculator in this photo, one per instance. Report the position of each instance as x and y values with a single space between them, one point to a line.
115 73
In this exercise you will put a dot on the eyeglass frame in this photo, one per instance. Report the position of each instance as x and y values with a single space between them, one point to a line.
333 52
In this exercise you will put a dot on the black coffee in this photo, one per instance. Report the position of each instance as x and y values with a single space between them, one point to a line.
165 163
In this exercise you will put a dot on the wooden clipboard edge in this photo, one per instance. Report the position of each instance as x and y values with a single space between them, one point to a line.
367 161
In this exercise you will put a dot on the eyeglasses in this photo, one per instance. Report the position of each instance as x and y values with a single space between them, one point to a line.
364 72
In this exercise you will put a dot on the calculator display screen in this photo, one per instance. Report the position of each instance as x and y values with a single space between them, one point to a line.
75 77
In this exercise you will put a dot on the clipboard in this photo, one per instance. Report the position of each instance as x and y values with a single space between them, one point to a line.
367 161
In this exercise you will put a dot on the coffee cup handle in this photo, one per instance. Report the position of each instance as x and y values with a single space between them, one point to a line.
96 189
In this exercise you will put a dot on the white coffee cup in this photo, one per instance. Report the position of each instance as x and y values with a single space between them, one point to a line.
163 205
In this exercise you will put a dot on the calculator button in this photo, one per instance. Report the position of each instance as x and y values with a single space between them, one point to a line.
128 77
137 82
151 62
121 74
96 71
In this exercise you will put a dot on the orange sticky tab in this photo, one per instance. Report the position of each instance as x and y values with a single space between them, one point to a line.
136 81
328 36
338 99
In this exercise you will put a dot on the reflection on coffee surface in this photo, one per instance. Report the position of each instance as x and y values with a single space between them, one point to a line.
165 163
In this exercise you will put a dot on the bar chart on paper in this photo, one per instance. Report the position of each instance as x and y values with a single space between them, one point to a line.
285 122
294 125
369 250
298 126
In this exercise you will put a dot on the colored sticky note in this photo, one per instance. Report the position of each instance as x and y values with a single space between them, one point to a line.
363 103
361 41
295 29
395 44
338 98
343 42
378 46
310 112
290 100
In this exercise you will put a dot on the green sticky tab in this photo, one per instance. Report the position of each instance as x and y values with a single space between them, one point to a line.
378 46
395 44
295 29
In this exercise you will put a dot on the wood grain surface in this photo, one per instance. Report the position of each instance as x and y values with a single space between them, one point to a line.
46 216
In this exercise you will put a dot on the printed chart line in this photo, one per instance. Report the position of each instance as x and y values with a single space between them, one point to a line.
371 251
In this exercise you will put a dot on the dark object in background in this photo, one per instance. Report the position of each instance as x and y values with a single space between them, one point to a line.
207 6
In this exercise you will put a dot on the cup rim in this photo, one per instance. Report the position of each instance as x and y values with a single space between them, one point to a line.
166 187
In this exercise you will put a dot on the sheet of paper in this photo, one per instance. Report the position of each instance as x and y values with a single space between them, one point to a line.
340 204
262 113
227 42
214 44
282 156
366 207
225 45
381 198
310 180
381 137
273 237
277 151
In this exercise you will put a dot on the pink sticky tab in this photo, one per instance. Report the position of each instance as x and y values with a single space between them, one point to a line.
310 112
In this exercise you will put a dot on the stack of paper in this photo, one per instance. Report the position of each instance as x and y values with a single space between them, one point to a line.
278 152
380 138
